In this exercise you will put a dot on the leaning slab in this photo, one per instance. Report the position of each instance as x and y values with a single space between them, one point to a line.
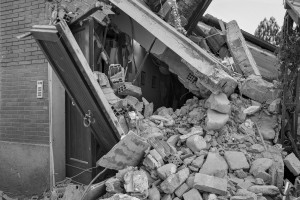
237 45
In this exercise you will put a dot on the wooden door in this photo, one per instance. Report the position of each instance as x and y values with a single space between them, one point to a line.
72 68
79 142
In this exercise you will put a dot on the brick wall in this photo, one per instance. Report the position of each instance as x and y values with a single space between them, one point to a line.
23 117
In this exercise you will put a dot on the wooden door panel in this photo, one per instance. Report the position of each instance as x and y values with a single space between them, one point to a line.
74 72
70 62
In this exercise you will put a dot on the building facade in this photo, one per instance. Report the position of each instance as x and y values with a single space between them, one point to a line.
24 117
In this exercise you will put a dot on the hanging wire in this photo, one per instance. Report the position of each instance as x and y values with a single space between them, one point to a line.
71 178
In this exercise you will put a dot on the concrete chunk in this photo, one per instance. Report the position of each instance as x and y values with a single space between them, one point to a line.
181 190
239 50
166 170
260 164
193 194
258 89
128 152
269 190
169 185
293 164
236 160
215 120
214 165
210 184
196 143
218 102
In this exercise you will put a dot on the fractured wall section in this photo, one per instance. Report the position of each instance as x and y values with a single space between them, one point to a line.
207 69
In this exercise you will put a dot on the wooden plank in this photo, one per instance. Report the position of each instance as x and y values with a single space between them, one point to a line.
239 50
70 65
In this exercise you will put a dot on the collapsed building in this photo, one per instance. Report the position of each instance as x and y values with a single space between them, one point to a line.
197 106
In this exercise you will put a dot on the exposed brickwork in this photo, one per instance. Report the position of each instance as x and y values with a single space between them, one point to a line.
23 117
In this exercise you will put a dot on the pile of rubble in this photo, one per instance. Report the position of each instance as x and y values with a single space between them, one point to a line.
210 149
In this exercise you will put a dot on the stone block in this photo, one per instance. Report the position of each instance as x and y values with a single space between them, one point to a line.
256 148
196 143
293 164
117 158
166 170
167 197
193 194
260 164
214 165
154 194
190 181
181 190
251 110
136 181
189 160
215 120
218 102
198 162
210 184
265 190
277 168
236 160
258 89
244 192
170 184
267 178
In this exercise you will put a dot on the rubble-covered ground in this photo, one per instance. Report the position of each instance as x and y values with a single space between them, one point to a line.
215 148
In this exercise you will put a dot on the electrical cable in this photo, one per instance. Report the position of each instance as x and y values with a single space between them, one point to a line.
85 191
70 178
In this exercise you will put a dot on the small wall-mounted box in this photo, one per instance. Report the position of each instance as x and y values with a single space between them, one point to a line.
39 89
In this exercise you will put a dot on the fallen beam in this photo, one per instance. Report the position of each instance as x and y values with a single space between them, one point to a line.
238 48
208 70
